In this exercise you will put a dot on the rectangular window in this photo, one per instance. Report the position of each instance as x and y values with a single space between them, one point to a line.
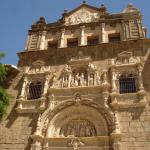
72 42
52 44
127 85
92 40
114 37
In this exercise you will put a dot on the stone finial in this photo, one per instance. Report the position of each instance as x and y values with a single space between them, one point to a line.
84 2
103 8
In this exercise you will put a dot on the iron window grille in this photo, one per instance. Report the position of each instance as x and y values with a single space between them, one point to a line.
127 84
35 90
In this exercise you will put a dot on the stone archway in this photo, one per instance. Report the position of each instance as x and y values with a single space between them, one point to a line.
52 122
76 113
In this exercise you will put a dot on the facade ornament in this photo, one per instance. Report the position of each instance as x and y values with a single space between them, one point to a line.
82 16
77 99
76 143
117 145
54 82
116 120
105 78
52 101
38 128
24 85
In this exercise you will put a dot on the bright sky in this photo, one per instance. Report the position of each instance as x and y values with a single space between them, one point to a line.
18 15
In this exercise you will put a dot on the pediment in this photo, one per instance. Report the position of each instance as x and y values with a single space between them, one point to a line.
82 14
38 63
125 54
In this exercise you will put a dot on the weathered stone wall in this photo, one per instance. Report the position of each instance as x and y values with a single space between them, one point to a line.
15 130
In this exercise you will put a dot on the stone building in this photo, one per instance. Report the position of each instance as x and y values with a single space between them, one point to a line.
82 84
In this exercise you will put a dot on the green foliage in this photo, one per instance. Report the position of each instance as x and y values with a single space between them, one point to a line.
2 69
4 101
4 97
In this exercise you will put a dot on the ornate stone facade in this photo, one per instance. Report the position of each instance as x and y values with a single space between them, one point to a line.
83 84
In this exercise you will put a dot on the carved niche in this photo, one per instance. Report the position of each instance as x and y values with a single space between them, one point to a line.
78 128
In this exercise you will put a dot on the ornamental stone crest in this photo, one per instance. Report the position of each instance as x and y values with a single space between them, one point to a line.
76 143
82 16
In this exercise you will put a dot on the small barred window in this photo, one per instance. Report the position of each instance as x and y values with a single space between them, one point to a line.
127 83
35 90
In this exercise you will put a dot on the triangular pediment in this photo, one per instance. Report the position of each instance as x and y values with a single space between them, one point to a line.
82 14
38 63
125 54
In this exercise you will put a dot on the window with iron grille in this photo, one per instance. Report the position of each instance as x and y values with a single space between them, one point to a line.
35 90
127 84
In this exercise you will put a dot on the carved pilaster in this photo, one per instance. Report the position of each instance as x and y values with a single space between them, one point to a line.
38 128
52 102
42 42
103 32
141 87
62 39
39 40
114 78
47 78
82 36
22 94
124 30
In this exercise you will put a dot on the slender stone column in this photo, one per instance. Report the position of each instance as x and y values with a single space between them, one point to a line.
25 81
42 42
103 32
46 84
141 87
124 31
62 39
82 36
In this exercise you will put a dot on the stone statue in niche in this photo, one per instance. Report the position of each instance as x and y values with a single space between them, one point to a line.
54 82
97 79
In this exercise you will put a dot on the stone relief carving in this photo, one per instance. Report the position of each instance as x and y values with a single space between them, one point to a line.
88 77
76 143
125 58
78 128
82 16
